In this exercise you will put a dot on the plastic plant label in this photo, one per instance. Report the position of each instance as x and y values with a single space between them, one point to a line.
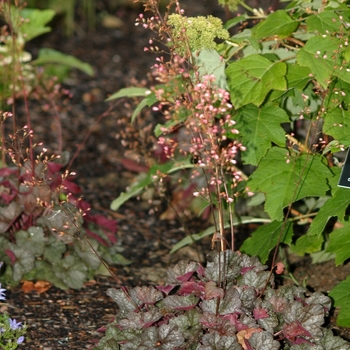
344 180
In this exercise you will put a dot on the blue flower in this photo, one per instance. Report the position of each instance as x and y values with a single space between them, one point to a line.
14 324
20 340
2 293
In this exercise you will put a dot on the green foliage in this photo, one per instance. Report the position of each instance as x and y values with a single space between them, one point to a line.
288 79
16 64
227 305
12 332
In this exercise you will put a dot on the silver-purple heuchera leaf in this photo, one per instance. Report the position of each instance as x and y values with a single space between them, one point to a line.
123 300
263 341
223 265
165 337
215 341
180 302
148 295
181 272
140 320
195 312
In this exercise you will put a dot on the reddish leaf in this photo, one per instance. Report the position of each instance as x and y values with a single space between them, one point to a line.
260 313
246 269
4 172
212 291
294 331
233 318
97 237
101 220
83 205
53 168
71 186
131 165
11 255
166 289
192 288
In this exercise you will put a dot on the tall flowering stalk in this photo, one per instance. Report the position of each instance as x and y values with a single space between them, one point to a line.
198 112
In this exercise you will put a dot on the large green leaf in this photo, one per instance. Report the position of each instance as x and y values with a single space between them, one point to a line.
335 206
341 295
324 23
259 127
266 238
297 76
35 23
277 23
337 123
318 55
339 242
51 56
286 178
252 78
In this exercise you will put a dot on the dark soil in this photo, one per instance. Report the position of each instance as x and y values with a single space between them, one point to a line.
69 319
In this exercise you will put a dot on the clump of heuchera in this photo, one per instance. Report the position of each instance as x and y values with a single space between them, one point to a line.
11 332
226 305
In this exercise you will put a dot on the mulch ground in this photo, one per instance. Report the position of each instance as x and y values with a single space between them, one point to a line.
70 319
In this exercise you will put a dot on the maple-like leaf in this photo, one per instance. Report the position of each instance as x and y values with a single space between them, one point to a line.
286 178
259 128
251 78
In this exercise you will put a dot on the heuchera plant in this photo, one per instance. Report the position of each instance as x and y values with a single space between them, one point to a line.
43 225
228 305
287 75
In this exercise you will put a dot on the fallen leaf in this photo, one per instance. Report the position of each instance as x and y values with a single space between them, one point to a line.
38 286
246 334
